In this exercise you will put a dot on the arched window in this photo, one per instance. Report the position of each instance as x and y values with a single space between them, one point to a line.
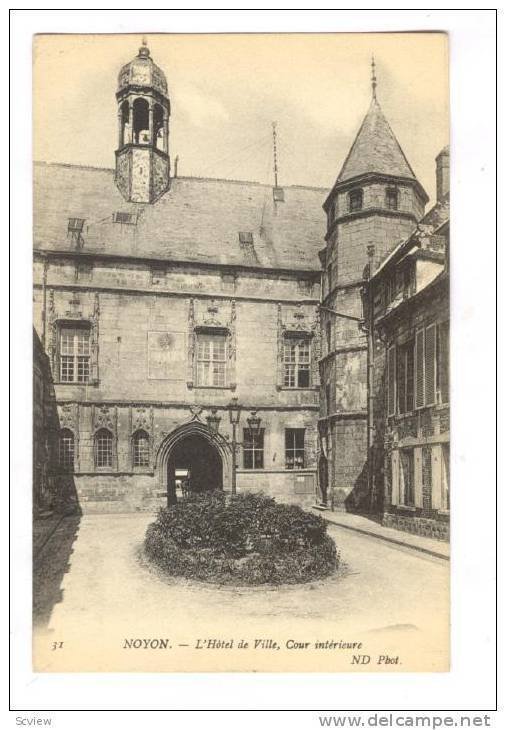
66 450
141 122
158 135
355 199
125 130
392 198
140 448
103 448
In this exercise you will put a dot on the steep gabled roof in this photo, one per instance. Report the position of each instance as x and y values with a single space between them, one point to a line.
375 149
197 220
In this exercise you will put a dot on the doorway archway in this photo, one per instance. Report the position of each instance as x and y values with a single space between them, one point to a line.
191 459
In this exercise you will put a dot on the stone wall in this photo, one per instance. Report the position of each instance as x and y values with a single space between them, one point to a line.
143 321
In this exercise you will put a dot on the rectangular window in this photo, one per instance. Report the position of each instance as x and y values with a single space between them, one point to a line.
407 478
212 360
355 200
296 362
74 355
391 381
66 450
294 448
392 199
443 362
405 377
253 449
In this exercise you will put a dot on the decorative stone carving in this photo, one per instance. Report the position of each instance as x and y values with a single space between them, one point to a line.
212 318
104 417
141 419
191 343
232 346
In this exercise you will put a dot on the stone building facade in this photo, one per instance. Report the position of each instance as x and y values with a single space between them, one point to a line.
158 299
375 202
411 313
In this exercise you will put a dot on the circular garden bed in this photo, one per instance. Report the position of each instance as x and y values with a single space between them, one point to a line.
246 539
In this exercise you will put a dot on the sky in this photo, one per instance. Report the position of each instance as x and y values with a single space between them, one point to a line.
226 89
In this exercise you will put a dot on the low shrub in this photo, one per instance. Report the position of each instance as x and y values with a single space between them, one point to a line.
247 539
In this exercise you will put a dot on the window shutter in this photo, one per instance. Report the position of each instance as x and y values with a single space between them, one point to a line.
419 379
395 477
436 476
443 357
430 365
391 381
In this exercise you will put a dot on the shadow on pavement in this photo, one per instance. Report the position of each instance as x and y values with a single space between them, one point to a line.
50 566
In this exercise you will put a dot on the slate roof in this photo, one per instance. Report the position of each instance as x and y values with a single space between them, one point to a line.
375 149
197 220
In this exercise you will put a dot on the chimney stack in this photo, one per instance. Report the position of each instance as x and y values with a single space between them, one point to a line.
443 174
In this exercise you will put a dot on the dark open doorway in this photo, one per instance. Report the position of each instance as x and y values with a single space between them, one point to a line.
194 465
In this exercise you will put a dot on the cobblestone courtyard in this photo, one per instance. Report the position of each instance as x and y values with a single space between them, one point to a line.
91 580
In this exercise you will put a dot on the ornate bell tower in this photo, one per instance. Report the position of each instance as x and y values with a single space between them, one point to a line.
142 157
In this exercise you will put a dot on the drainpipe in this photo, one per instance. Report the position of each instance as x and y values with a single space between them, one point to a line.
44 287
370 377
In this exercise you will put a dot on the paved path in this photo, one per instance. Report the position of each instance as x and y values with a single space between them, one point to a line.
366 525
91 580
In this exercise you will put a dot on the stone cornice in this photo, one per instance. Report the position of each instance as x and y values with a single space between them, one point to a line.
184 405
178 293
82 255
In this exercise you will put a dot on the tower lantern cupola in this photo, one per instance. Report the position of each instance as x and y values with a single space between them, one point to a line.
142 157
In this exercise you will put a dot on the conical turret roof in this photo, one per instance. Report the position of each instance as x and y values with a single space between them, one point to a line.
375 149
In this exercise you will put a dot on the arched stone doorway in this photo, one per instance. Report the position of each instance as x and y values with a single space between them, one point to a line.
192 458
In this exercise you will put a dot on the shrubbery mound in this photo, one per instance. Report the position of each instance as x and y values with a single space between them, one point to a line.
246 539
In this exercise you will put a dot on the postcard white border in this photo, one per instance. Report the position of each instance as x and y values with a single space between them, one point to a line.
471 683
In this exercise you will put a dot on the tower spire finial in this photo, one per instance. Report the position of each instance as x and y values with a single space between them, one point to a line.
144 50
374 82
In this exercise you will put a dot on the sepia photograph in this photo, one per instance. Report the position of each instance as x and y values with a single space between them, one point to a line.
241 348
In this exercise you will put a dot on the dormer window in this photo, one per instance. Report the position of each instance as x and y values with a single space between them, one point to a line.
355 200
392 198
246 238
75 231
128 219
76 225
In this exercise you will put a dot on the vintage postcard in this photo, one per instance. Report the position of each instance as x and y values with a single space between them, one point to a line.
241 438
